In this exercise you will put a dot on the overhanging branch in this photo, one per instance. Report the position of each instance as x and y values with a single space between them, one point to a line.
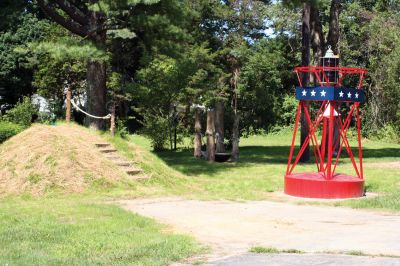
73 12
69 24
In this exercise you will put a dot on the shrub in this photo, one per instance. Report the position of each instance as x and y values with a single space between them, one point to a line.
387 133
288 111
22 113
157 129
7 130
122 130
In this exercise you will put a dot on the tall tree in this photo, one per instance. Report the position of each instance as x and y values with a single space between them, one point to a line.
333 34
317 35
305 61
80 18
90 19
245 24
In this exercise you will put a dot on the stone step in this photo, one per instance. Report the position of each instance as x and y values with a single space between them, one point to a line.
110 150
113 157
122 163
132 171
102 145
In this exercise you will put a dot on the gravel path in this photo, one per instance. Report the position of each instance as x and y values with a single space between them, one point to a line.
232 228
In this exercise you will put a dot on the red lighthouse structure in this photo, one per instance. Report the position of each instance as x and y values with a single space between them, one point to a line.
338 108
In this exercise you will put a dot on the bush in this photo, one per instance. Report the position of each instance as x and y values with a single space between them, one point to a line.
288 111
122 130
22 113
157 129
387 133
7 130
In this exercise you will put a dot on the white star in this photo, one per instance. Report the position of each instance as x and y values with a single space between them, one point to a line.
357 95
313 93
349 95
304 92
323 93
341 94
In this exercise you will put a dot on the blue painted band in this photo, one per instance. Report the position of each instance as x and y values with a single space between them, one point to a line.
330 94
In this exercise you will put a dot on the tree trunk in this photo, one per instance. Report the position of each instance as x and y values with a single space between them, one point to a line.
305 61
68 106
96 74
96 90
317 36
235 136
333 35
186 119
197 134
236 118
219 126
210 133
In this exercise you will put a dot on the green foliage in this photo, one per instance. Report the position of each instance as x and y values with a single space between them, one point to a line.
70 49
16 68
261 84
387 133
371 39
8 129
289 110
122 130
22 113
156 128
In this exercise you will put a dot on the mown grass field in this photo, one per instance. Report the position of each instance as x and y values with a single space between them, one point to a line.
263 160
77 230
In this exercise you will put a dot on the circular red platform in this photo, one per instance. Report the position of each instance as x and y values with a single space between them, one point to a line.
314 185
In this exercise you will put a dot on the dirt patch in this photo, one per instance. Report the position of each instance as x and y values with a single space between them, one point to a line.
232 228
61 157
389 165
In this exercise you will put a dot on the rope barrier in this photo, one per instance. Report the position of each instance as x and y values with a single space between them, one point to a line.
92 116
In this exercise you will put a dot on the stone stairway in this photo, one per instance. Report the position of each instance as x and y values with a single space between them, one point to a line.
113 156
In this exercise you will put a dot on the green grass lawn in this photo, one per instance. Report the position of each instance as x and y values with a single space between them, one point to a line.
74 230
262 166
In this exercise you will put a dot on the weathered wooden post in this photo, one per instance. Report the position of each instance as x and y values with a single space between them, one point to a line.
197 133
219 125
210 133
112 120
68 107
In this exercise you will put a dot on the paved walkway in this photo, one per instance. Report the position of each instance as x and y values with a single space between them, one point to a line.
232 228
304 260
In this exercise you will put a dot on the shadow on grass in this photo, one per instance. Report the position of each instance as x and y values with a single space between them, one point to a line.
184 162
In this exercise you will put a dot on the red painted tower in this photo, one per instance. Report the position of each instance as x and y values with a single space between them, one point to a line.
338 109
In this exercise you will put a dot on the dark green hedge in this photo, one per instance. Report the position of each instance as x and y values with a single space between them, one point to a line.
7 130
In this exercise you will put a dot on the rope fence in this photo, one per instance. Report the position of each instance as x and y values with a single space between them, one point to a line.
92 116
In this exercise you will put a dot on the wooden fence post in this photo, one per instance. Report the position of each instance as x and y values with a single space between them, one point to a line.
68 107
210 135
112 121
197 134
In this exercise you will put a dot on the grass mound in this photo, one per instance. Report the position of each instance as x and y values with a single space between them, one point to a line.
44 158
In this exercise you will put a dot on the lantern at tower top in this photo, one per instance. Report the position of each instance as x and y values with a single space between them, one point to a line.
330 60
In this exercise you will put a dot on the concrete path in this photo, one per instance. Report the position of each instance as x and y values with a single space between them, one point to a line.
304 259
232 228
